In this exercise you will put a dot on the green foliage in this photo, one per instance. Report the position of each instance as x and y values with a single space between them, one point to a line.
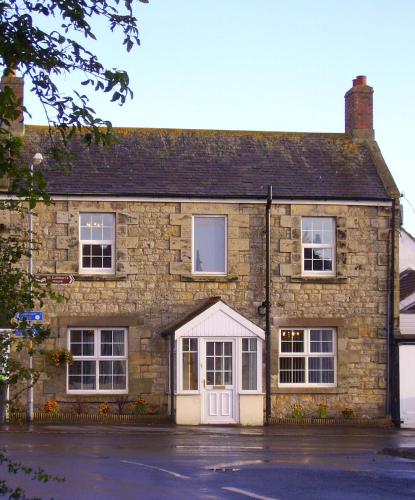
298 411
15 468
41 57
322 411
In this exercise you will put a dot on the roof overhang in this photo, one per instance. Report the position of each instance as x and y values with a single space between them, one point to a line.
215 319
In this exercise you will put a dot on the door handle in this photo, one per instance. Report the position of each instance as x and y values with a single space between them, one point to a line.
204 383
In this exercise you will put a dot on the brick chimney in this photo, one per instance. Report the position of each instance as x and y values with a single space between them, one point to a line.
359 110
16 84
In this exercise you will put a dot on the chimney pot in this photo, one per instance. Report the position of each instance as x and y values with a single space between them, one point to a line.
360 80
359 109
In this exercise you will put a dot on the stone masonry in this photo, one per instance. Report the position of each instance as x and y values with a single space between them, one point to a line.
153 285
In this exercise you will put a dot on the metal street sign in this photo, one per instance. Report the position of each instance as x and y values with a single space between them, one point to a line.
54 279
30 316
31 332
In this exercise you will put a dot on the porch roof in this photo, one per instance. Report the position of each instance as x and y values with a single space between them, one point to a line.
211 318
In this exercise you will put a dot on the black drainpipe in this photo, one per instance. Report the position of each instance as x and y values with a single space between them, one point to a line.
268 309
172 376
391 395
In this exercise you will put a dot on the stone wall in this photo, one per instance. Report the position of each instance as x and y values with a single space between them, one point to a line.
153 285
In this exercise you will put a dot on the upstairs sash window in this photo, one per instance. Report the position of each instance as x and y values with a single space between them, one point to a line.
97 243
318 245
209 244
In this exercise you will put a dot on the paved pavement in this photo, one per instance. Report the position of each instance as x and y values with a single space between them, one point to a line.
129 462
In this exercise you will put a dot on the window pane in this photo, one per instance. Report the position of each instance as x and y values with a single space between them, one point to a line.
307 224
75 368
190 371
96 233
249 371
193 344
75 383
86 250
105 367
106 349
292 370
85 233
321 370
321 341
307 236
105 382
120 383
119 367
88 383
96 250
76 349
106 250
118 350
108 220
85 219
96 262
106 336
107 233
75 336
209 244
118 335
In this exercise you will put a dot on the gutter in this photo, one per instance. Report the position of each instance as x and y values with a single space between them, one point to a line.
392 396
172 408
268 308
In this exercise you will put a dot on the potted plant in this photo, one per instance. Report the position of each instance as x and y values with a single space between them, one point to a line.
298 411
59 357
348 412
322 410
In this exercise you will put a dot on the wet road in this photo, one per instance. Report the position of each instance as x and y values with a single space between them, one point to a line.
126 462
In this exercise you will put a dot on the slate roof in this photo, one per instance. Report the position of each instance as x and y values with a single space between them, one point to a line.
407 283
214 164
193 313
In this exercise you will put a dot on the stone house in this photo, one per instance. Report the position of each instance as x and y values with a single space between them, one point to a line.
405 340
165 234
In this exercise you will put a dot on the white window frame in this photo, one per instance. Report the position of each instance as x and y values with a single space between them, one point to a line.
210 273
259 346
307 354
332 246
97 270
179 362
97 358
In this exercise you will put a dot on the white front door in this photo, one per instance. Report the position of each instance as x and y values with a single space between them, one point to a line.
219 384
406 385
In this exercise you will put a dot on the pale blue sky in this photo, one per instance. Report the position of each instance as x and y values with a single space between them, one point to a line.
270 65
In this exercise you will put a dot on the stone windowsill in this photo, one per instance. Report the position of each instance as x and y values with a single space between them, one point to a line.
319 279
308 390
215 279
100 277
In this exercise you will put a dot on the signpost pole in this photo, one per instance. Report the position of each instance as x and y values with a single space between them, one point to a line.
37 160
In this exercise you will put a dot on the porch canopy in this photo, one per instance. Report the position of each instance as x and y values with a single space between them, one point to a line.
213 318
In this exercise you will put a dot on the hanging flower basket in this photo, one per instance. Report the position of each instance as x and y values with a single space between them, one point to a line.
59 357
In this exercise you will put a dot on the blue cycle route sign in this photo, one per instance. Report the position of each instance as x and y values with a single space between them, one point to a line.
30 316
